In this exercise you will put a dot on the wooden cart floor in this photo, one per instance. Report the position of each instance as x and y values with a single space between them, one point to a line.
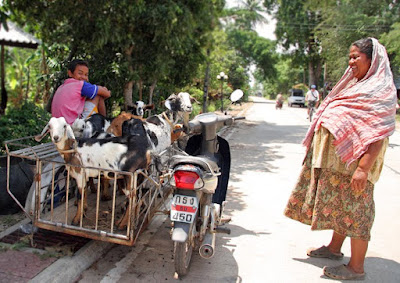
104 219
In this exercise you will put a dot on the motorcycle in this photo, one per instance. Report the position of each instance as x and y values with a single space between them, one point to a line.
278 104
200 181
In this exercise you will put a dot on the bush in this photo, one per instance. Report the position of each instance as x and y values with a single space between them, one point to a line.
28 120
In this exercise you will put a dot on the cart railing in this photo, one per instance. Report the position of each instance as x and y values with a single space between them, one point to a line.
54 207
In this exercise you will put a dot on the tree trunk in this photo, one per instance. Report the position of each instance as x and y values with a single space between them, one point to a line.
311 74
152 87
314 72
4 96
140 87
27 84
128 89
45 72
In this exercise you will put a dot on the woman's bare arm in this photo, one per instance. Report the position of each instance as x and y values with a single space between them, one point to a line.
360 176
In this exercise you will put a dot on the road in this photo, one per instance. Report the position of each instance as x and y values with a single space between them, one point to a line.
264 246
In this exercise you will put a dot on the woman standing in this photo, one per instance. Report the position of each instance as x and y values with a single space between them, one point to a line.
346 144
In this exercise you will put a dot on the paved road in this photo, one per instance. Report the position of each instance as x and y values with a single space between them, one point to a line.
264 246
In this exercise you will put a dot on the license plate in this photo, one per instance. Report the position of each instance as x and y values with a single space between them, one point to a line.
183 208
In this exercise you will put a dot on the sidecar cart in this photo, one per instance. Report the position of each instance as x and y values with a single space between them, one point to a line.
51 203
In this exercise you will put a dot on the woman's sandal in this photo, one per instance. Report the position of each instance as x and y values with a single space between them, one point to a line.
341 272
324 252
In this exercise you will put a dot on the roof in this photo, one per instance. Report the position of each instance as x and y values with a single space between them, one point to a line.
17 37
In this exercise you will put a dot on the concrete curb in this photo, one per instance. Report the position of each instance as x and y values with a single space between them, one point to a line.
67 269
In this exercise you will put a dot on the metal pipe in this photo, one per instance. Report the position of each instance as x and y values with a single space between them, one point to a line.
208 247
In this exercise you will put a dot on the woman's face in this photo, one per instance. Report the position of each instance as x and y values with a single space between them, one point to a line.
358 62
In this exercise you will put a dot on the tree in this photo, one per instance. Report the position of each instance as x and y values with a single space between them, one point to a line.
338 28
255 50
391 40
128 44
295 31
248 14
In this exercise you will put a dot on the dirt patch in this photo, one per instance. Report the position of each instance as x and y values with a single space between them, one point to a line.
7 221
237 109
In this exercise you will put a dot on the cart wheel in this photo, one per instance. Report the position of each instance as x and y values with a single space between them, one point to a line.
182 256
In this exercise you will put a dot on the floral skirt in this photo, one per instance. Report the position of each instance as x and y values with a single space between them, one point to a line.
324 199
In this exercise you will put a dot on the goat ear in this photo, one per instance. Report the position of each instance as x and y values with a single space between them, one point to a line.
192 99
149 107
70 133
167 102
45 130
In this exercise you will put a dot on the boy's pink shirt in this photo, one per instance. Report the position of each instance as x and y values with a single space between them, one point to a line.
68 101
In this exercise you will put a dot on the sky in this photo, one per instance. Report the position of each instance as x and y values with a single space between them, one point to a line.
264 30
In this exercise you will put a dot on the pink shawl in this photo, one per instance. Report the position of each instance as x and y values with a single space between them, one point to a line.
359 113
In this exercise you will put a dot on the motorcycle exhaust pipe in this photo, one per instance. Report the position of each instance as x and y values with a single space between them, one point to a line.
208 247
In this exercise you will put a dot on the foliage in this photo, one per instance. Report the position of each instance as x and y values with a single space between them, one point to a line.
248 14
254 49
339 28
391 40
27 120
287 76
295 31
145 42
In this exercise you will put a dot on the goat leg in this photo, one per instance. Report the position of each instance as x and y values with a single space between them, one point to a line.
91 185
78 215
105 193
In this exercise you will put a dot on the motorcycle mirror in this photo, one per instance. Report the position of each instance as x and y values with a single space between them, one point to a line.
236 95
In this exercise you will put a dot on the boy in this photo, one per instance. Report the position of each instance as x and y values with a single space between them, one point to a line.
76 98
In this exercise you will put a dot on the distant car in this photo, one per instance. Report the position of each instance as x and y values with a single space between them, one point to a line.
296 98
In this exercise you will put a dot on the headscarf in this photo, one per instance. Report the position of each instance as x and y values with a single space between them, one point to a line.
359 113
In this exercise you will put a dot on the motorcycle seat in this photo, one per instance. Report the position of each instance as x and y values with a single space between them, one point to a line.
202 161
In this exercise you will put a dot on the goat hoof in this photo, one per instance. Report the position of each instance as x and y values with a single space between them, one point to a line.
119 225
122 227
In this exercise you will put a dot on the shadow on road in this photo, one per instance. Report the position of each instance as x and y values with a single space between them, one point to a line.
377 269
256 145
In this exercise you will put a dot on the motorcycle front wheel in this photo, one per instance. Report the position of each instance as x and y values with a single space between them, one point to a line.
182 256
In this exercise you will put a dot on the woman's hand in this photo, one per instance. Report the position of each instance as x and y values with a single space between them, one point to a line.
359 179
360 176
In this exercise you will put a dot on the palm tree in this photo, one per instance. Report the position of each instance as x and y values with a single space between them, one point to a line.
250 13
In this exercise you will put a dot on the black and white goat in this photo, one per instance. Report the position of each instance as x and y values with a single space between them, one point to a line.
139 107
128 154
96 126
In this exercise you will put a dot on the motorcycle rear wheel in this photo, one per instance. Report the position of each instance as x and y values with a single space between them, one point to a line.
182 256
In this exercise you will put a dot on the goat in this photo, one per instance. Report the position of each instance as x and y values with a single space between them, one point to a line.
177 105
139 107
128 153
78 126
95 126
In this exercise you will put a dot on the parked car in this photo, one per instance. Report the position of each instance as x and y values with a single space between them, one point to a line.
296 97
